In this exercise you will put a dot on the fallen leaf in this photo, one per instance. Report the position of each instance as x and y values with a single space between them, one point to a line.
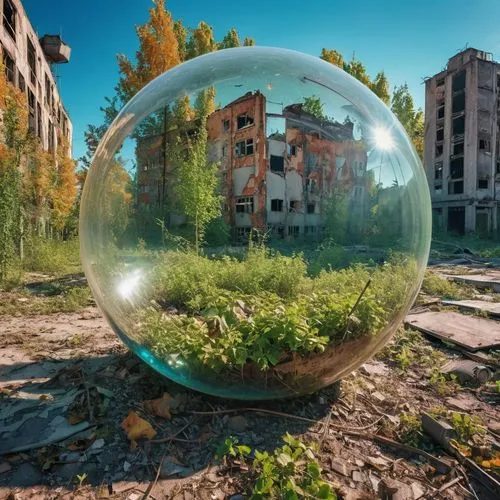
136 428
160 407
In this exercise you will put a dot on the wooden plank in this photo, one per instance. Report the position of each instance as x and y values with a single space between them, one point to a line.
471 332
492 308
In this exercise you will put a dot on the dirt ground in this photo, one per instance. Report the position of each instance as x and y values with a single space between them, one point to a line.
67 383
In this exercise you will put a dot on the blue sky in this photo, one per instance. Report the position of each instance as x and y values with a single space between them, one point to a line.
408 39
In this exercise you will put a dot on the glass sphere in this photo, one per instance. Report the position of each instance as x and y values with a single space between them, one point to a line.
255 223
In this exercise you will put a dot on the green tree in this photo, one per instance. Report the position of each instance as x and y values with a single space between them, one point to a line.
412 119
197 183
314 106
231 40
181 34
336 215
380 87
357 69
248 42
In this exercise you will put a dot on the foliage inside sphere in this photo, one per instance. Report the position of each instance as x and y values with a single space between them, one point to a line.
255 223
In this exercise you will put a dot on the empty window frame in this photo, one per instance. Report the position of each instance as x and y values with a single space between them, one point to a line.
309 229
458 82
294 206
243 232
276 205
440 82
293 230
440 111
456 187
9 18
31 53
458 148
243 120
10 67
459 125
39 129
277 163
482 183
31 112
457 168
293 150
440 134
439 150
21 82
225 125
484 144
244 148
47 90
311 207
244 205
438 170
458 104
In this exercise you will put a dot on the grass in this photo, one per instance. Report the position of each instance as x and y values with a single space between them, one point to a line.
25 304
265 309
437 286
52 256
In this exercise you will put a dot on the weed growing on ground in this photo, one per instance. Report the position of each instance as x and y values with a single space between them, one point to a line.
437 286
291 471
410 431
52 256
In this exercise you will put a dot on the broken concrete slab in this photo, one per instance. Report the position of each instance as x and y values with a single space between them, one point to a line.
491 308
29 421
490 280
471 332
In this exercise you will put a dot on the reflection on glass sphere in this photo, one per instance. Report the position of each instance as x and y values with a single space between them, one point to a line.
255 223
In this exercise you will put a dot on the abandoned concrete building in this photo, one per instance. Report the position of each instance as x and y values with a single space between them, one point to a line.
28 64
274 177
462 155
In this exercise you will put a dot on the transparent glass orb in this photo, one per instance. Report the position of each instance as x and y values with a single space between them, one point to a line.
255 224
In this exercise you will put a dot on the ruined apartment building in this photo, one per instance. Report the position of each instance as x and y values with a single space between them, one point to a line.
27 63
274 179
462 143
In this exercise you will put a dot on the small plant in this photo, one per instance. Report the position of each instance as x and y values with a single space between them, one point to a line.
410 429
440 383
231 448
80 479
290 472
497 385
438 286
467 426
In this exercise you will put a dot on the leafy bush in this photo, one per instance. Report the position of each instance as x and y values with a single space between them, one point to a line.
264 309
438 286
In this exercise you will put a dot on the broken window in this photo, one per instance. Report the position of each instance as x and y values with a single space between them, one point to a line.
276 205
485 144
51 137
39 129
456 219
439 82
277 163
456 187
243 232
439 150
225 125
244 205
457 168
47 89
21 83
459 125
458 82
482 183
458 104
311 207
224 150
293 150
293 230
440 111
244 148
10 67
438 170
9 18
294 206
243 121
31 60
440 134
458 148
32 112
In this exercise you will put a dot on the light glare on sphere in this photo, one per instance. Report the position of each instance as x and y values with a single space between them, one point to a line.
255 224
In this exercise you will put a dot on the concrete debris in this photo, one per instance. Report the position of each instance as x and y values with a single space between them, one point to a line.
467 371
